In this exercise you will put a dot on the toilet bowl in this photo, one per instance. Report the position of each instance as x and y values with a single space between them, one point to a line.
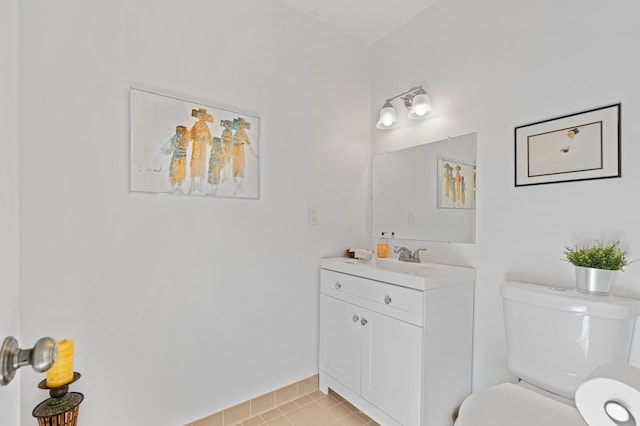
508 404
555 338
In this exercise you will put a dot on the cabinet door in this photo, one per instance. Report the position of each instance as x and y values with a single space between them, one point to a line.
391 367
340 335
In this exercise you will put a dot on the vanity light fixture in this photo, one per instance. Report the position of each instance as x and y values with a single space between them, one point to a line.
416 100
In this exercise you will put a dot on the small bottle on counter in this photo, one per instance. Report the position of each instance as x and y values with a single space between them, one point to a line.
382 249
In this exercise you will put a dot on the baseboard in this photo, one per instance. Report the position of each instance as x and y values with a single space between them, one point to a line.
259 405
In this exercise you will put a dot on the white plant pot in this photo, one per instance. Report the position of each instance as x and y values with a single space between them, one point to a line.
594 281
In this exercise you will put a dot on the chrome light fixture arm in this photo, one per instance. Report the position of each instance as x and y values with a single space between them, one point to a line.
408 96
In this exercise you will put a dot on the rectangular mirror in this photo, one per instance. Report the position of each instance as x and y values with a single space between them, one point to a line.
427 192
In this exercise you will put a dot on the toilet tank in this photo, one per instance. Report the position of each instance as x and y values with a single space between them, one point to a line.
556 336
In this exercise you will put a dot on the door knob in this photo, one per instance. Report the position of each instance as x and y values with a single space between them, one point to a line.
387 300
355 318
41 357
363 321
338 286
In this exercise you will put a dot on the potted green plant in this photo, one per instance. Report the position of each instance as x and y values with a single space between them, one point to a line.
597 265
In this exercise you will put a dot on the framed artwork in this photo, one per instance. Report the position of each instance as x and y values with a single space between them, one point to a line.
192 148
456 185
574 147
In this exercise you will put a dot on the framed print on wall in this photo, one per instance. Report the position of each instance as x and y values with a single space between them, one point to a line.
574 147
187 147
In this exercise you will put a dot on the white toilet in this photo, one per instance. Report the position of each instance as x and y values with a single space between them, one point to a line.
555 338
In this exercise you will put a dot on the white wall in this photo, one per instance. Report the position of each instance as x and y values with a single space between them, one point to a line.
9 221
183 306
490 66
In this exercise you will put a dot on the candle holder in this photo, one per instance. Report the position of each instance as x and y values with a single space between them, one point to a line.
62 408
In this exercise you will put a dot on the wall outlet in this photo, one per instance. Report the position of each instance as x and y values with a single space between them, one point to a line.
313 215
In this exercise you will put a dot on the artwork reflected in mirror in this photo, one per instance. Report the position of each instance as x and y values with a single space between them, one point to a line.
427 192
456 185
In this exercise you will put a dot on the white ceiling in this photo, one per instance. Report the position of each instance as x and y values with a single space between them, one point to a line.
365 20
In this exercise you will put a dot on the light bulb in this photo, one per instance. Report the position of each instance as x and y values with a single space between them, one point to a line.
387 116
421 106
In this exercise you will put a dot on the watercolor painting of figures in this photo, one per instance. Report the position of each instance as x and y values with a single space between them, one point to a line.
456 185
191 148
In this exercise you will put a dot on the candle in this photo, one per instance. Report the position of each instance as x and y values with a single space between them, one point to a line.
62 371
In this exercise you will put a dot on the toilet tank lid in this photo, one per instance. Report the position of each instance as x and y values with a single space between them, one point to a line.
614 307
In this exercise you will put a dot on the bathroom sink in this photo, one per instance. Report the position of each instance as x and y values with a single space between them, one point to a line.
404 267
420 276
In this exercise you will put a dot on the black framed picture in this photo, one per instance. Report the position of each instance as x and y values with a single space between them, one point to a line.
574 147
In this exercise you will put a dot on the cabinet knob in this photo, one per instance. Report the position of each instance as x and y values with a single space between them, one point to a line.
363 321
338 286
387 300
355 318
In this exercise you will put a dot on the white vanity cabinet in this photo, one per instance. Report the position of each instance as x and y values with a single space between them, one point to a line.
394 343
373 354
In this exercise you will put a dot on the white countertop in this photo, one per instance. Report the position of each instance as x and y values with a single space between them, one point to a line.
419 276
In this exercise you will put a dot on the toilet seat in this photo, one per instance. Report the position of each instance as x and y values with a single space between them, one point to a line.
507 404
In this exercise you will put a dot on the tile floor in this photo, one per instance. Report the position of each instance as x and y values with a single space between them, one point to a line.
314 409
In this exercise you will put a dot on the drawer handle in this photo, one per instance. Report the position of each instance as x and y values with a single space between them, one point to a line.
363 321
338 286
387 300
355 318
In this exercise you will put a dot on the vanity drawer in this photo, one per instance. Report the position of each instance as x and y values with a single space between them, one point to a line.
392 300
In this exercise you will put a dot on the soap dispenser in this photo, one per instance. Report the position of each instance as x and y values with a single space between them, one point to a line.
383 246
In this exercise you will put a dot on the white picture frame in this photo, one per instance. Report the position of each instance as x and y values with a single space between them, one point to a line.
188 147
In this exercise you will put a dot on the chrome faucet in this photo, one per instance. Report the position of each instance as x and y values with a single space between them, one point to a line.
405 255
415 257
